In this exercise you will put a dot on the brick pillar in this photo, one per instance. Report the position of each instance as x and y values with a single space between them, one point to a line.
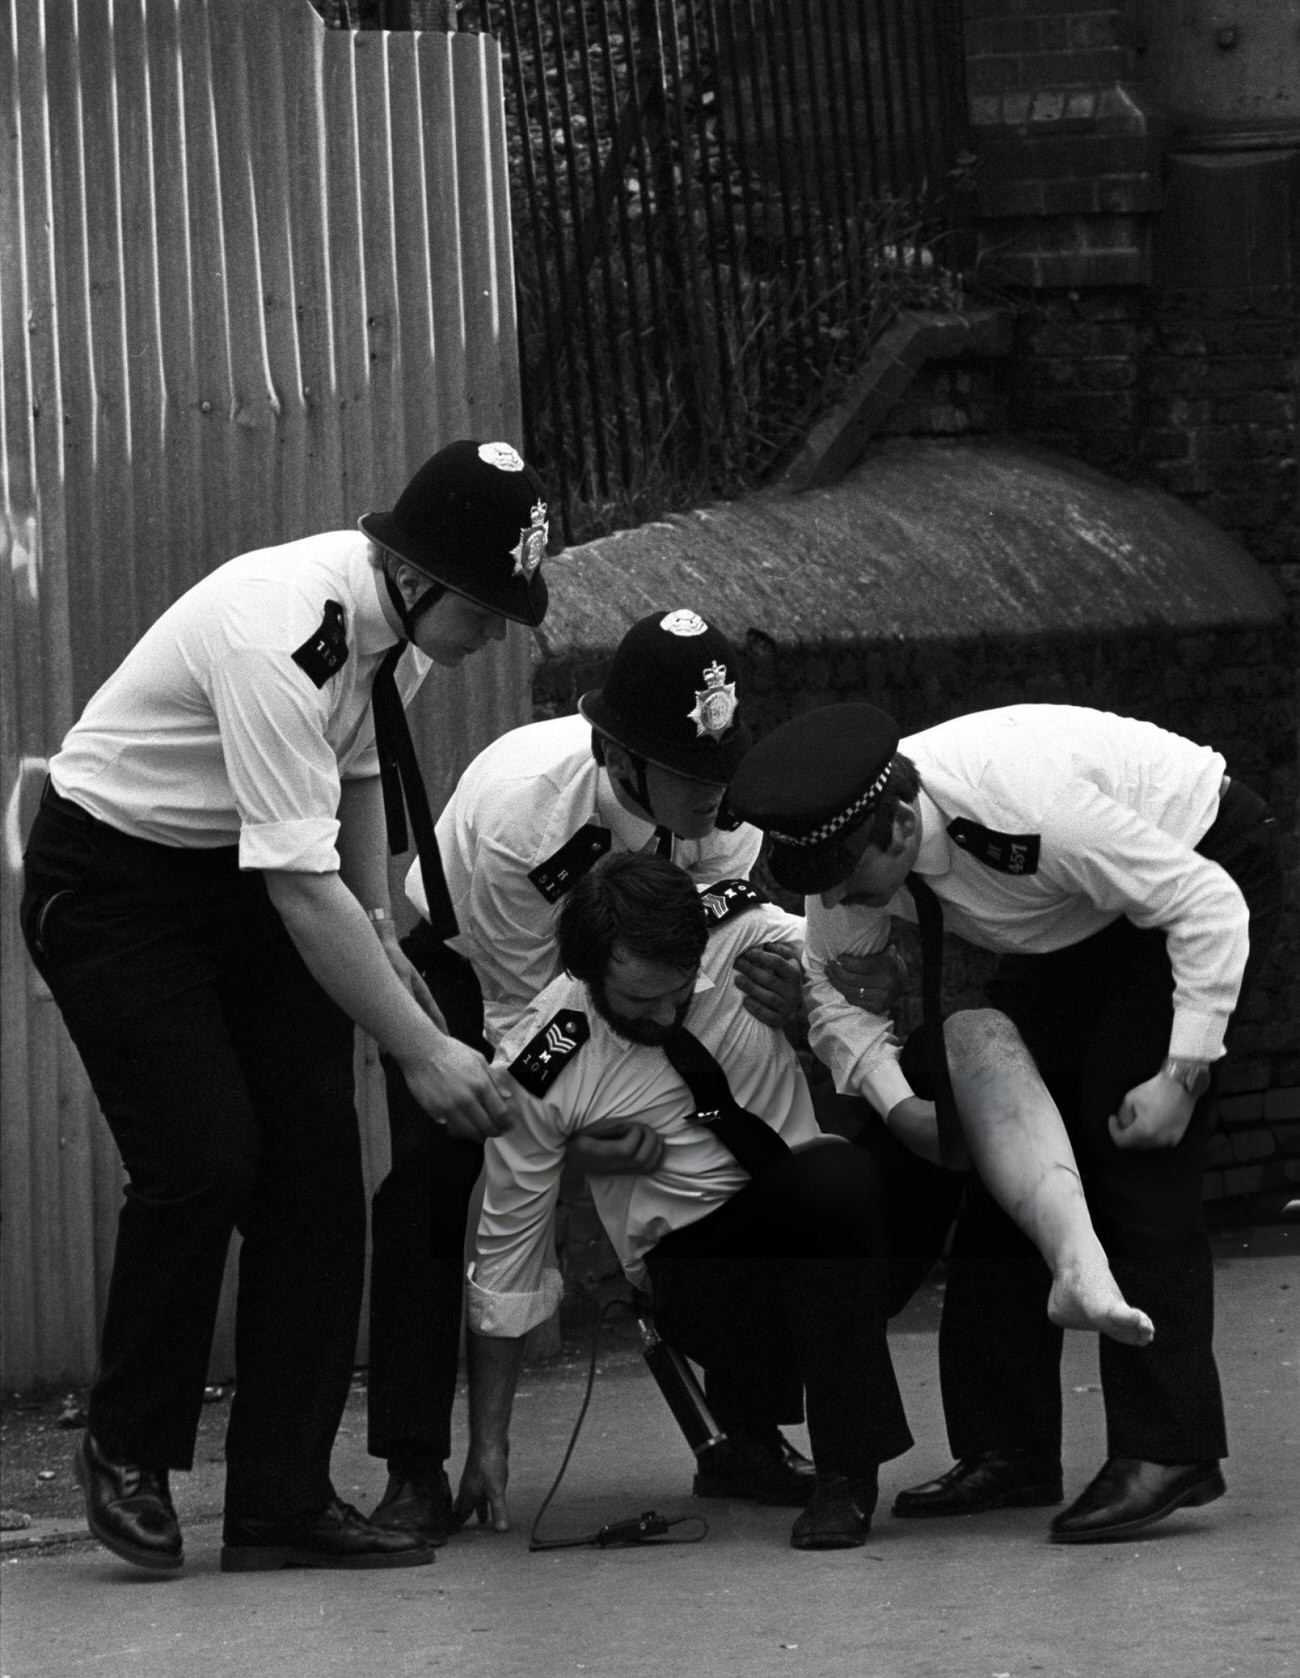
1068 148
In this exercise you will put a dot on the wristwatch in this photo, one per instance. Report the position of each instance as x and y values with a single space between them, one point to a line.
1193 1075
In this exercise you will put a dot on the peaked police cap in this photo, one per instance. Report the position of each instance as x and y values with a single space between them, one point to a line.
811 784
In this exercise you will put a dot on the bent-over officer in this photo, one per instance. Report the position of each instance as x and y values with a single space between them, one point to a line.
1131 888
644 766
206 895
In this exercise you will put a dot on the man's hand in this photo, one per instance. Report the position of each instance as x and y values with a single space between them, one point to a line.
1152 1115
482 1490
770 978
458 1090
615 1148
409 974
872 982
916 1125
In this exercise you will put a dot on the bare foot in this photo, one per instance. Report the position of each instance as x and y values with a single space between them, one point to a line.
1086 1296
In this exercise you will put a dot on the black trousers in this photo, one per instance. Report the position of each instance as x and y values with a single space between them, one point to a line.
225 1075
917 1200
418 1221
1096 1018
417 1268
790 1276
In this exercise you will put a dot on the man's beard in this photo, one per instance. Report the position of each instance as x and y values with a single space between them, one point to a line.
648 1033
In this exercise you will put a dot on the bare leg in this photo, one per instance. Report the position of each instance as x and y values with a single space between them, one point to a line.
1019 1146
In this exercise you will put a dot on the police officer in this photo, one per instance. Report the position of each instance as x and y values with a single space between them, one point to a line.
206 895
644 766
760 1235
1131 889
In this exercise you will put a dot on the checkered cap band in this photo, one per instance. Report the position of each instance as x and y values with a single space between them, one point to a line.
834 824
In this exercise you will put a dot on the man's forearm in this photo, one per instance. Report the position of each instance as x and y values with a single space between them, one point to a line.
329 927
363 842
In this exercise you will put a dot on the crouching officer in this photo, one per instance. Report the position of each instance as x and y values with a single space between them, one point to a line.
645 766
206 896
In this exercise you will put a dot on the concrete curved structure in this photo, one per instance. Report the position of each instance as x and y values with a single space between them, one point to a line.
922 541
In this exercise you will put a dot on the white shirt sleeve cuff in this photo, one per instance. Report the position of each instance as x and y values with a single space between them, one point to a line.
862 1062
305 847
1197 1036
883 1085
509 1315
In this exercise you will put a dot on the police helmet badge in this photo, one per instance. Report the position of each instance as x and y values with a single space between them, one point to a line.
684 622
715 703
502 456
531 548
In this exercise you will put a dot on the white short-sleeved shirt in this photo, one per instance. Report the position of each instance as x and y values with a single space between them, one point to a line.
530 813
1042 824
236 716
513 1282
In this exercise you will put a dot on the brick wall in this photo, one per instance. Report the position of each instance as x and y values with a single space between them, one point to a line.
1068 148
1156 285
1197 391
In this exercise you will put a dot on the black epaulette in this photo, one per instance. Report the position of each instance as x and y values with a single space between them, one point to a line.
726 899
326 652
543 1059
1008 853
574 857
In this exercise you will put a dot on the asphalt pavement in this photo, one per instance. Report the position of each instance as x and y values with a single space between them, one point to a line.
1209 1592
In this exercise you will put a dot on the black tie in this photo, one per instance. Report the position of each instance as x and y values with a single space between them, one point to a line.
399 772
756 1146
929 917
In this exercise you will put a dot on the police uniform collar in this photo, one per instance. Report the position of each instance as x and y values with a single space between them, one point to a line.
934 854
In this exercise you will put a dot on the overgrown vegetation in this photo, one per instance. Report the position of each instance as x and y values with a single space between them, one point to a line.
718 206
782 355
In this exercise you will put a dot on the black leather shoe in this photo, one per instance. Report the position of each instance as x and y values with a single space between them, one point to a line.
418 1502
129 1508
744 1467
335 1536
993 1480
838 1516
1130 1495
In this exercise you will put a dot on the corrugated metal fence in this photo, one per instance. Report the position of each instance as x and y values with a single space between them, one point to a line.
252 272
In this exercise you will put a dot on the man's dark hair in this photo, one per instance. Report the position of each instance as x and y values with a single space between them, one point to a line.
639 901
901 788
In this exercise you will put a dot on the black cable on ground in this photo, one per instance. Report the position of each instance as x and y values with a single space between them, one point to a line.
647 1528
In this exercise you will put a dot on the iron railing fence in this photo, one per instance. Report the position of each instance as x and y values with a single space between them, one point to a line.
718 204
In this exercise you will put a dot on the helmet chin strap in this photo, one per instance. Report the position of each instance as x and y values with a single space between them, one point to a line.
637 790
411 615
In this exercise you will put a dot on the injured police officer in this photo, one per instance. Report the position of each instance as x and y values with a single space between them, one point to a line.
757 1234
